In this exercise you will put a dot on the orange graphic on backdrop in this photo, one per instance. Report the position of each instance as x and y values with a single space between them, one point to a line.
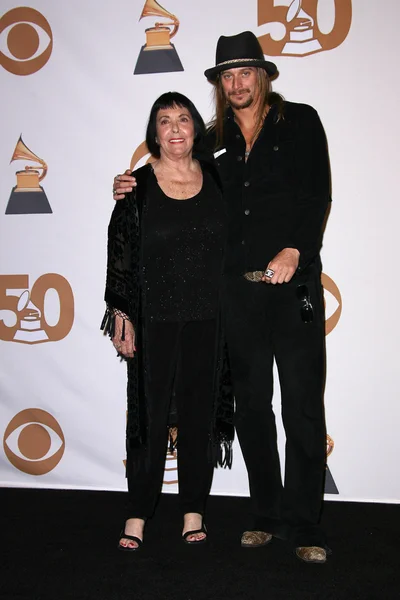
171 462
34 442
140 152
20 26
158 55
332 316
28 196
294 29
24 313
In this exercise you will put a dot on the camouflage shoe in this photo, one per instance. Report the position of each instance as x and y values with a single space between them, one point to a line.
255 539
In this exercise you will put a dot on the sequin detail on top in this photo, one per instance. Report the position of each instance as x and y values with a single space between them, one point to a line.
183 249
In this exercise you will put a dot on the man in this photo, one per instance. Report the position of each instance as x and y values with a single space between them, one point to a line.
274 165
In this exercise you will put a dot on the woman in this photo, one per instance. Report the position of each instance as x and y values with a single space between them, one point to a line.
165 252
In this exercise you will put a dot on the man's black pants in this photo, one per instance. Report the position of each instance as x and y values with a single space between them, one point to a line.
263 322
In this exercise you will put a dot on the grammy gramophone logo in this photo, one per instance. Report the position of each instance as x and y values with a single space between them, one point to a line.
302 27
158 55
171 460
28 197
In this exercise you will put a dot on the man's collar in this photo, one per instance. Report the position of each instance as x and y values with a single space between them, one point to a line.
230 115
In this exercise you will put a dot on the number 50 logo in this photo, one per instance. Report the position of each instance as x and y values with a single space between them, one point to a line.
302 27
44 314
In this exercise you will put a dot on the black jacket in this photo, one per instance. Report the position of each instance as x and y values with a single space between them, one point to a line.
278 198
125 291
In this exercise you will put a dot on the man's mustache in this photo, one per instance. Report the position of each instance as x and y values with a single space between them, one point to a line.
239 92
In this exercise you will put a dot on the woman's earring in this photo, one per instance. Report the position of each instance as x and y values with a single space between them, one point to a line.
156 140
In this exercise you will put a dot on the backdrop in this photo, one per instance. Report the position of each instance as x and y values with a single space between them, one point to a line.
77 81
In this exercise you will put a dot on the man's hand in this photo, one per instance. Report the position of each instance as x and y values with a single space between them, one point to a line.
125 347
123 184
284 266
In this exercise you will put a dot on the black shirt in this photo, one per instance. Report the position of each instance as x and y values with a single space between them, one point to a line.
183 249
278 198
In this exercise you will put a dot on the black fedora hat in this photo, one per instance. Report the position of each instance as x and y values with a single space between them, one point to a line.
241 50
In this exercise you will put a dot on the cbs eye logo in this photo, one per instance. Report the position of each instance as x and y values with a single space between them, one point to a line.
26 41
333 303
34 442
44 314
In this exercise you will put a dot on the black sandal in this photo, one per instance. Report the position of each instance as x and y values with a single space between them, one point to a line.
134 538
185 536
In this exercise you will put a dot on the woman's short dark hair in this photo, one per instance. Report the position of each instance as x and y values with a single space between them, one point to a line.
169 100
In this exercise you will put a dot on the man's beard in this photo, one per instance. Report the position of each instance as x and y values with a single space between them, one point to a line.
241 105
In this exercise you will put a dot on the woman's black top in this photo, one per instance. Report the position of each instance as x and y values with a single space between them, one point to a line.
182 253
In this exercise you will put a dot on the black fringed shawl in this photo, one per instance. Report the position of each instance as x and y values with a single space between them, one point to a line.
125 292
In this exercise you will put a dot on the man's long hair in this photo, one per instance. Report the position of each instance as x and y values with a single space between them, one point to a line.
265 94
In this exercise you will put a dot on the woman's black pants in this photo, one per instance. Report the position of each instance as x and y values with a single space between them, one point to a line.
264 322
191 345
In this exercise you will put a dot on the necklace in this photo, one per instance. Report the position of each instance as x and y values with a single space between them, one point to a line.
254 135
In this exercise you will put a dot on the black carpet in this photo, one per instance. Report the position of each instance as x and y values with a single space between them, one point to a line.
59 545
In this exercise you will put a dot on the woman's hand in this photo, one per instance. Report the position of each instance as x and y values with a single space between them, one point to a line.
125 347
123 184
